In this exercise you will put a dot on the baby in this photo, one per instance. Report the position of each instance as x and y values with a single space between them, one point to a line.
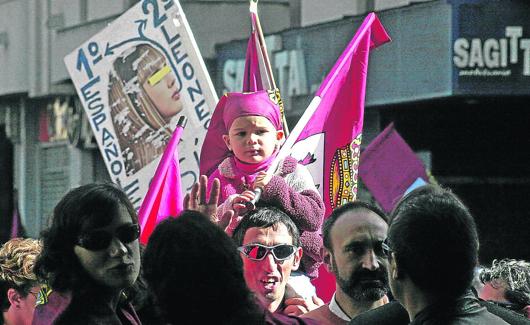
249 125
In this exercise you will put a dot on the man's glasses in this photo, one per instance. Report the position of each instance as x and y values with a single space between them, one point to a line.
100 239
257 252
386 248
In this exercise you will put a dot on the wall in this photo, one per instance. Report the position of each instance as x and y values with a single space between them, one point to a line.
13 47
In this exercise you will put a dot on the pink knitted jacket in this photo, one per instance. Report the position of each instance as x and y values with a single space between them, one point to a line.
291 189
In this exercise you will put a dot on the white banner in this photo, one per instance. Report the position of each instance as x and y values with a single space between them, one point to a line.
134 79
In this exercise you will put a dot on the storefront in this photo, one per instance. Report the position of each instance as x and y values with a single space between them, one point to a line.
455 81
67 152
53 150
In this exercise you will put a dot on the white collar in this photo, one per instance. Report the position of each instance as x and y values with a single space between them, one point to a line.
335 309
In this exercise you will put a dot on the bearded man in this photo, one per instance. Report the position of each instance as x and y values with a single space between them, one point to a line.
353 236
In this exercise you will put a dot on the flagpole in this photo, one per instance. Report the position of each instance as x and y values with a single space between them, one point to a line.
254 9
263 46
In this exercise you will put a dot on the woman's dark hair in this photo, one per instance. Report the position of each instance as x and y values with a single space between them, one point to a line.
190 263
83 208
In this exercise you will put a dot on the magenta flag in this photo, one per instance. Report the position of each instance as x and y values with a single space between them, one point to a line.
17 229
164 197
389 168
256 76
327 137
16 225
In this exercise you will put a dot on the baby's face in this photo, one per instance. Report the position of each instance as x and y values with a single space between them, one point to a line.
252 138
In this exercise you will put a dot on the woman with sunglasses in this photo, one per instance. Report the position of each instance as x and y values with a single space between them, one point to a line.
90 255
18 284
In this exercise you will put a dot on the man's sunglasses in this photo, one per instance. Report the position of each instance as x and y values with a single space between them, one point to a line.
100 239
257 252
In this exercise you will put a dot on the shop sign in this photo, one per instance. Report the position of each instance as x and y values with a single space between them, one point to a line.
289 68
484 57
490 48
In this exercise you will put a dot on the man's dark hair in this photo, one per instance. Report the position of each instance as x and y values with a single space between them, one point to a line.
83 208
265 217
435 241
338 212
190 263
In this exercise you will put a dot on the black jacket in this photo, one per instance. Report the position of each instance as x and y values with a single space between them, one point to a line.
395 314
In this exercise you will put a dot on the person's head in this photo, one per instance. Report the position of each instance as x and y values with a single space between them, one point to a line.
191 263
269 244
252 125
353 234
147 79
433 244
507 281
18 284
92 241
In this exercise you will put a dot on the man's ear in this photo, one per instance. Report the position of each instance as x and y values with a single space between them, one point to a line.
297 258
226 139
327 258
14 297
394 269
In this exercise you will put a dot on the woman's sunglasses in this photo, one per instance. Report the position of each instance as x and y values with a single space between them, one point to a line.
257 252
100 239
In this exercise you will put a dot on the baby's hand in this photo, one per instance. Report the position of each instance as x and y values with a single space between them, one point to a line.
297 306
239 204
262 180
234 222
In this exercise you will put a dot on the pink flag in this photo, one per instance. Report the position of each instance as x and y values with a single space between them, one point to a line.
328 136
15 224
17 230
389 168
164 197
257 76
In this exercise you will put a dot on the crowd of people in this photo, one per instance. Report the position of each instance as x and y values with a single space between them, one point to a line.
229 259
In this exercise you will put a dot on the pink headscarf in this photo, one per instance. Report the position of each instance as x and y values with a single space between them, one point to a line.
231 106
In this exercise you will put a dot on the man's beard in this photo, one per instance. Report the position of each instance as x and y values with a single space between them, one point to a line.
363 284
